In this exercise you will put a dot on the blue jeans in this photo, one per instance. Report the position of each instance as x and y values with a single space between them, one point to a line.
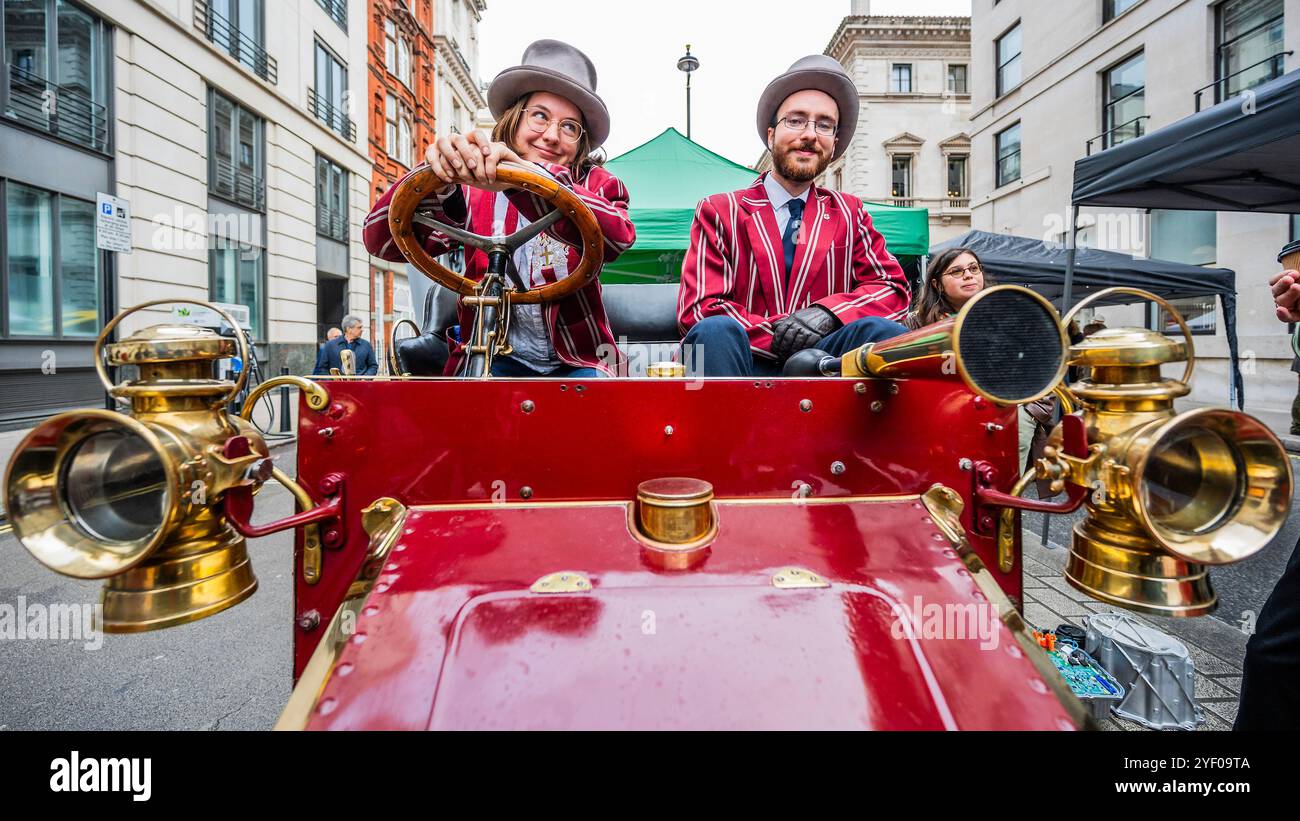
510 367
720 346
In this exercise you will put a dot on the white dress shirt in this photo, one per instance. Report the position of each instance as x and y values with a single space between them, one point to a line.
780 199
529 336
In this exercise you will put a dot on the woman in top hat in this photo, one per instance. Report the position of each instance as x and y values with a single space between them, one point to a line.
549 117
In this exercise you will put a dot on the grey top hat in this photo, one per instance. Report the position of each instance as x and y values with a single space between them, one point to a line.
550 65
820 72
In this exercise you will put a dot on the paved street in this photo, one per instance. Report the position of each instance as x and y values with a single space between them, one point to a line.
232 671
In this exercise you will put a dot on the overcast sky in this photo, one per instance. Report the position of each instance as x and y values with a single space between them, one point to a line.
741 45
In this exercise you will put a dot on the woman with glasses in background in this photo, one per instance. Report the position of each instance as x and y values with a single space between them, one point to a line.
549 118
953 277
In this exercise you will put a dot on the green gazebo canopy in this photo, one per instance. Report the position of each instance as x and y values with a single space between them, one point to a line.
669 175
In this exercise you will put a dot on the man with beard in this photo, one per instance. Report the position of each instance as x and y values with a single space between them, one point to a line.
785 265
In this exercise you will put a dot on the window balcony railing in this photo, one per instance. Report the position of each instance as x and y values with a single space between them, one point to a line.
334 117
903 202
56 110
237 185
1121 133
337 10
1276 68
234 42
331 224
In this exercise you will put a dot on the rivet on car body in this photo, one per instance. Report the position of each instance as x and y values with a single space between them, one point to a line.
837 468
805 405
525 492
860 387
877 406
668 430
527 406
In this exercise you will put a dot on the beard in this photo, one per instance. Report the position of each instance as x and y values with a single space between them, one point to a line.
790 167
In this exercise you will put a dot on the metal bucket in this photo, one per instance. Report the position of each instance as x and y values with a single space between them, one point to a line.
1156 669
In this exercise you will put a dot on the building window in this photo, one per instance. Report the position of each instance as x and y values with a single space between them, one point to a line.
957 196
331 200
1201 313
57 56
901 180
900 78
235 152
390 125
1008 155
1249 36
237 275
405 141
957 80
390 46
1124 101
1184 236
238 28
456 116
1114 8
51 267
1008 60
337 10
404 62
329 99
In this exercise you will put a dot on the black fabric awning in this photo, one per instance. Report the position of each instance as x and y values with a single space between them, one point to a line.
1241 155
1041 266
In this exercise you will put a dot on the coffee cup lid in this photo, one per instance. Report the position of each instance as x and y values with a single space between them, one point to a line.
1291 248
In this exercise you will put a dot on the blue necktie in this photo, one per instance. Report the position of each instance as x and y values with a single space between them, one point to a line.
792 232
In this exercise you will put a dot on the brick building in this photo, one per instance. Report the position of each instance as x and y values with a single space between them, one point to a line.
400 101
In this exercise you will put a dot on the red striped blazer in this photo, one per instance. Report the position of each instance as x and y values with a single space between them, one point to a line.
735 265
578 326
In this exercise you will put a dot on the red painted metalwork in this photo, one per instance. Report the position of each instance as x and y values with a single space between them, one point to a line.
445 441
988 499
452 638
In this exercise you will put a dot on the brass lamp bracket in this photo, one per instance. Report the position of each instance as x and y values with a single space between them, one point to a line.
237 504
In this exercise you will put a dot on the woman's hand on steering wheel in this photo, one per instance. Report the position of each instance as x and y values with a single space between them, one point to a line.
470 159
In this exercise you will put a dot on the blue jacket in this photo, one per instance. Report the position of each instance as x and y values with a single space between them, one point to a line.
329 357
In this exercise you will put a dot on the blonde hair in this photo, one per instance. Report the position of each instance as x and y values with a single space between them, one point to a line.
587 157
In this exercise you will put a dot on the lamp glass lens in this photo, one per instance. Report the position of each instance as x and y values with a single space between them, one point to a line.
1192 480
115 487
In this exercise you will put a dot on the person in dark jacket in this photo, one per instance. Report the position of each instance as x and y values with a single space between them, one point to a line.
1270 684
329 356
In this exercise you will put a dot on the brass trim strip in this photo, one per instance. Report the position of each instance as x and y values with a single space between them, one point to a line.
383 519
776 500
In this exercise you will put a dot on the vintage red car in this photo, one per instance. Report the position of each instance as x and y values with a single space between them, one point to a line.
838 550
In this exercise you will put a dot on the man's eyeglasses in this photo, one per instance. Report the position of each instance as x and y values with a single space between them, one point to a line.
824 128
974 269
539 121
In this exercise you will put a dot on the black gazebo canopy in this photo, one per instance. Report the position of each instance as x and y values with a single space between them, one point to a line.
1241 155
1042 266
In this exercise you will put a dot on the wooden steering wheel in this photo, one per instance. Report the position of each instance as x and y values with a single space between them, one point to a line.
403 217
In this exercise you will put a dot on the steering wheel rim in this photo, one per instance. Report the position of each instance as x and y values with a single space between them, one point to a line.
402 220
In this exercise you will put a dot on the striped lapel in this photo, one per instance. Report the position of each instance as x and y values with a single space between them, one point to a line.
813 255
767 263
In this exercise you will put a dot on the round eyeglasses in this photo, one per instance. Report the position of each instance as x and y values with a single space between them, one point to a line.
539 121
824 128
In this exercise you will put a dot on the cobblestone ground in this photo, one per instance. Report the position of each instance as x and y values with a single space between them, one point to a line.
1217 647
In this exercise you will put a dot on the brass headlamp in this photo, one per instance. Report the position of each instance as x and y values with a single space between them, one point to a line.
133 499
1171 493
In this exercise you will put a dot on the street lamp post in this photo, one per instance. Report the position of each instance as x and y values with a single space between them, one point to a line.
688 63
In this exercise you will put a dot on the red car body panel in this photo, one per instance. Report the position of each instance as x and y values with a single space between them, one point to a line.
451 636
